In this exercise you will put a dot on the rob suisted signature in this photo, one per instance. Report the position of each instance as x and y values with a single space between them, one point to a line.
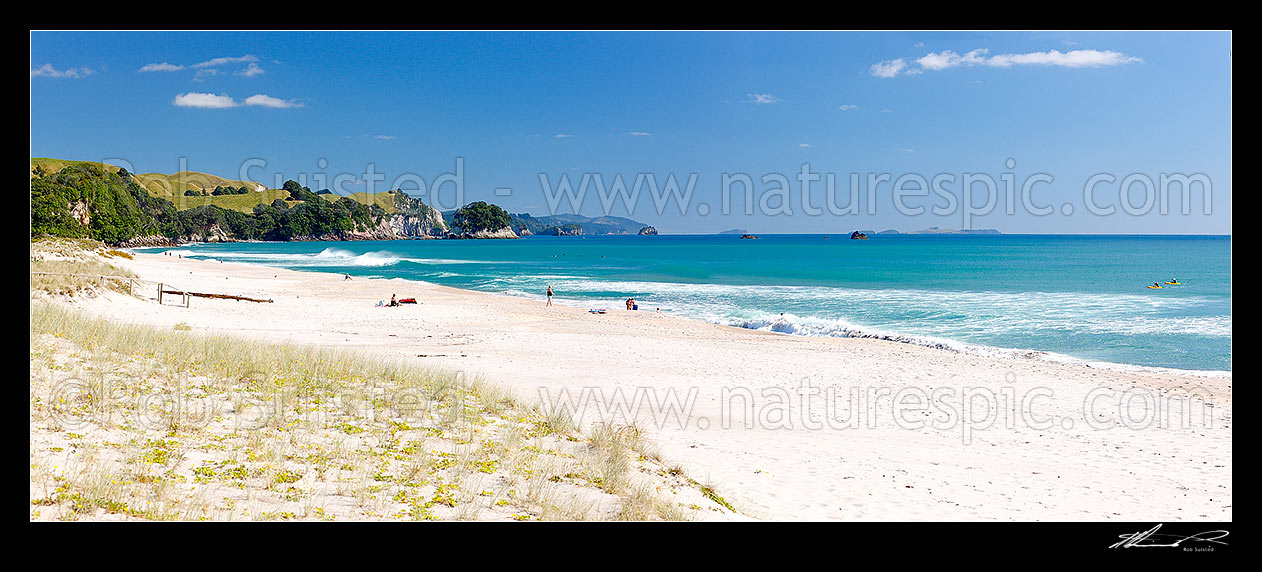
1151 539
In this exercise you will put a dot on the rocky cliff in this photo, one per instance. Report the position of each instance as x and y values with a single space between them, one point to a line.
412 219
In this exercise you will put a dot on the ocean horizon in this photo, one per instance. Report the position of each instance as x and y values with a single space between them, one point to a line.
1067 298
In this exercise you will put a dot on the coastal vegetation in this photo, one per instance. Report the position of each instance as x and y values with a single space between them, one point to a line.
88 200
480 216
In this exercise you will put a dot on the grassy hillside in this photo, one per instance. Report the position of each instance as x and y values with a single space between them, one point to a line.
383 200
246 203
173 186
158 184
242 203
54 165
161 185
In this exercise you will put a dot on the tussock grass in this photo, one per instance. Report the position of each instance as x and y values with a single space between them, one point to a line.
134 422
63 284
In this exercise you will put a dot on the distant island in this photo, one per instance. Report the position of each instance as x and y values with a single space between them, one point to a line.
734 231
648 231
526 224
936 230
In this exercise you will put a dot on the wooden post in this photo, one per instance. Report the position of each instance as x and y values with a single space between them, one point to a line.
159 293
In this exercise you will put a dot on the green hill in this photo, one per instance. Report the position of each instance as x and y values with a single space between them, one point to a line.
172 187
160 184
91 200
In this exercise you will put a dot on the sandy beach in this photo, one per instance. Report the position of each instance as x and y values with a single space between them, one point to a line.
787 427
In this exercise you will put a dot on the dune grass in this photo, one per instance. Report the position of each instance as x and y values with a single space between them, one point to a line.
75 275
133 422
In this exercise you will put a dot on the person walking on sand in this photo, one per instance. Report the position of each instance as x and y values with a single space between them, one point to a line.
549 294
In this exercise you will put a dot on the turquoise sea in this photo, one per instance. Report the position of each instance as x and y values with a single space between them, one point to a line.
1070 297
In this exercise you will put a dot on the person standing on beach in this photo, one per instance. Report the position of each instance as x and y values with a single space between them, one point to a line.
549 294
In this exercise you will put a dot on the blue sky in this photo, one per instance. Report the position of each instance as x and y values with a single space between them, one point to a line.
513 106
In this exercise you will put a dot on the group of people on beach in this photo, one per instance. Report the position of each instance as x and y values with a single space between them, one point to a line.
631 303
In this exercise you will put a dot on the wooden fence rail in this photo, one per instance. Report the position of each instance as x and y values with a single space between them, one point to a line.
101 278
132 283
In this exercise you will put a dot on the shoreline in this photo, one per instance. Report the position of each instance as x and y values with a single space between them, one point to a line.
782 457
926 341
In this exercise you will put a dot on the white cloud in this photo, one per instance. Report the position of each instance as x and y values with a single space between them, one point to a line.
162 67
1070 59
887 68
804 145
639 133
47 70
949 59
386 137
251 70
847 107
209 67
228 60
887 110
269 101
563 136
763 98
204 100
946 59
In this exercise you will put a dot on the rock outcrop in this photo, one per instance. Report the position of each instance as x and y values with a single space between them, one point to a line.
214 233
566 230
148 241
505 232
648 231
81 213
412 219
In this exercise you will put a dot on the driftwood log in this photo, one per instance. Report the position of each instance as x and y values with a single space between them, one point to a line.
217 296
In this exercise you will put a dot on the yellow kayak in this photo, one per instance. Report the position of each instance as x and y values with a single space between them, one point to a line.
1175 283
1155 287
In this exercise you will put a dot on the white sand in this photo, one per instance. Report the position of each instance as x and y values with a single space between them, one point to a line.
883 468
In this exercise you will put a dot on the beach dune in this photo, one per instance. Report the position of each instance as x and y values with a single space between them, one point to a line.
787 427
